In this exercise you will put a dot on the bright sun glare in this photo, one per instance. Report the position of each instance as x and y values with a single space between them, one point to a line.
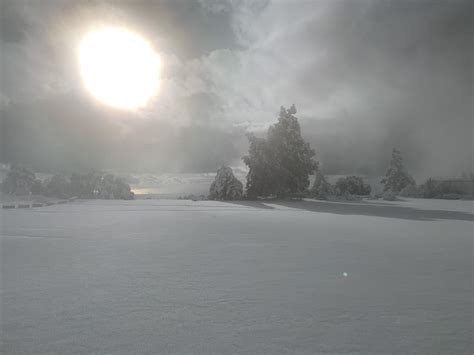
119 67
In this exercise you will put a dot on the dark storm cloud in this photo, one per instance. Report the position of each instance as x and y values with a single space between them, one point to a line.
364 75
369 75
70 133
408 67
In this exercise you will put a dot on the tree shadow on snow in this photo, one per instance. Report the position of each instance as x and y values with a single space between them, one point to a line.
249 203
378 210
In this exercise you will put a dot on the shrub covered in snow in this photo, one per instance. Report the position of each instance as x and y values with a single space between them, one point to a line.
352 185
225 186
193 197
448 189
22 181
113 188
389 195
321 189
410 191
281 163
57 186
396 177
92 185
37 188
86 185
429 189
19 180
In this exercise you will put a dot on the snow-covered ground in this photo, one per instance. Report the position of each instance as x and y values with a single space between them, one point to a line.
165 276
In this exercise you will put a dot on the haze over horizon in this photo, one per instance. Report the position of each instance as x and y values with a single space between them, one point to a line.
365 76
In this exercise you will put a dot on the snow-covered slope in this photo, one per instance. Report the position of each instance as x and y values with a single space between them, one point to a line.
148 276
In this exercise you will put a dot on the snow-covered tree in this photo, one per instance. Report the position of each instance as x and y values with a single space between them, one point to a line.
18 181
57 186
225 186
396 177
259 177
113 188
282 163
429 189
352 185
100 185
321 188
86 185
37 187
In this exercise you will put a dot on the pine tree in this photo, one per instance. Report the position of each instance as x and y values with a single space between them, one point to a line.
225 186
259 177
321 188
352 185
280 164
396 177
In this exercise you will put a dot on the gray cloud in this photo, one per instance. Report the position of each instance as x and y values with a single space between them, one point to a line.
13 24
69 133
364 75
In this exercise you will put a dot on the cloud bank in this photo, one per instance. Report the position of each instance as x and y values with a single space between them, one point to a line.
364 75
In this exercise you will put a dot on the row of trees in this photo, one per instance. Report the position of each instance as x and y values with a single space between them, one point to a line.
280 165
398 181
19 181
344 186
22 181
432 188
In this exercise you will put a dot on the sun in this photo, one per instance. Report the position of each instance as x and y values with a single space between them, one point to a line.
119 67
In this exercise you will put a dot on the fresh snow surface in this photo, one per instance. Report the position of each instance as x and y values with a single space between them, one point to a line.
164 276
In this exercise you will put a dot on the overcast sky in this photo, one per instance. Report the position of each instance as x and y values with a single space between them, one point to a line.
364 75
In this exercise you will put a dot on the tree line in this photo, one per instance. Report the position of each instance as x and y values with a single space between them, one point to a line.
280 166
92 185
